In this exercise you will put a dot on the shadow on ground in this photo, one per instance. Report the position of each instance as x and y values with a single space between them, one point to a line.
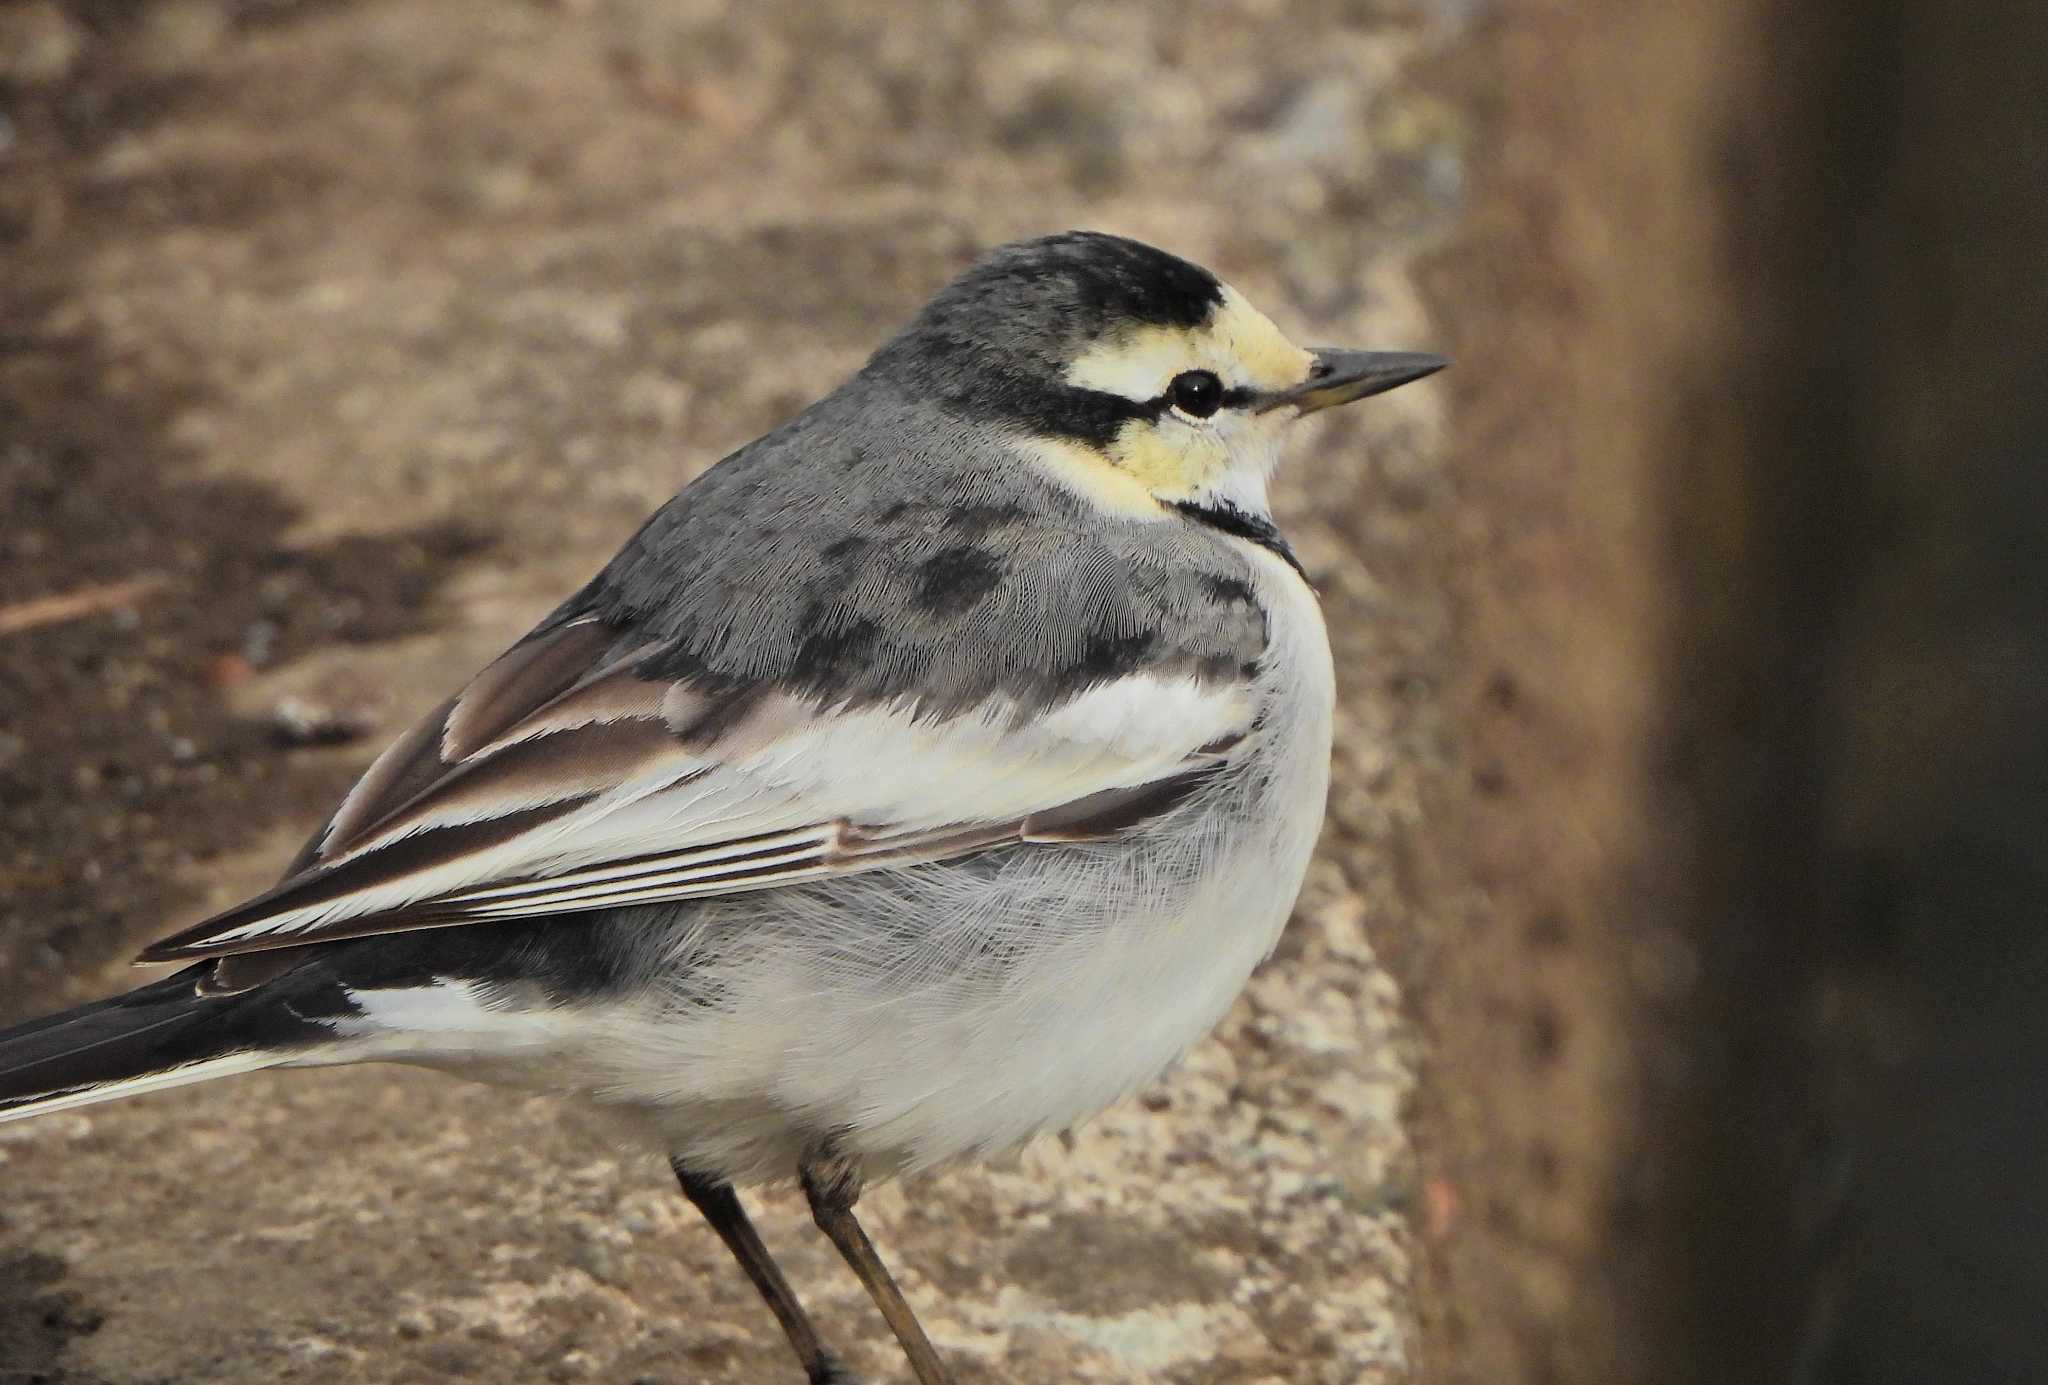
37 1319
117 719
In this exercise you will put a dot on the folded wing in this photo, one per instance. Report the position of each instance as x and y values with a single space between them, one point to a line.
569 777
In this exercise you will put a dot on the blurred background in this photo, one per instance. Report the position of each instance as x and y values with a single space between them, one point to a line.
1662 1004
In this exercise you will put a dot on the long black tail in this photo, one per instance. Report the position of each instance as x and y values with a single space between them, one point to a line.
163 1035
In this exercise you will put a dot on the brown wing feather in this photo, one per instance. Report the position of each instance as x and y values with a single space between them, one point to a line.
513 686
520 682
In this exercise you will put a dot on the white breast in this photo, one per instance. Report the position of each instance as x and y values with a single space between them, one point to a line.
1138 1000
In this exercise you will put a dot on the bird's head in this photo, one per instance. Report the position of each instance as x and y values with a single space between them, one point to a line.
1142 381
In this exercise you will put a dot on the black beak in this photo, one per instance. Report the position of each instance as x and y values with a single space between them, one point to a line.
1339 377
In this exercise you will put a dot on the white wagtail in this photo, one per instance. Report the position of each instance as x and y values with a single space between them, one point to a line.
924 777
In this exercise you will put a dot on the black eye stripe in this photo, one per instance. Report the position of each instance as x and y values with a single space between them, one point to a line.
1065 411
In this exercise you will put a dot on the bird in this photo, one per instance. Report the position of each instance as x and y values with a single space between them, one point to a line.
922 778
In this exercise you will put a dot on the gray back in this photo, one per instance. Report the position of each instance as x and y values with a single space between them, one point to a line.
884 544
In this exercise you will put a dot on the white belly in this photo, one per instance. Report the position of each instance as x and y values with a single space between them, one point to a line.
1073 978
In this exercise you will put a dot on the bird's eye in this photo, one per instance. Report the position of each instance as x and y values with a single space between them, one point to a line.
1197 393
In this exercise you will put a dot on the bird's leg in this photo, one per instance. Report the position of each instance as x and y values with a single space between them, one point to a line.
720 1205
833 1186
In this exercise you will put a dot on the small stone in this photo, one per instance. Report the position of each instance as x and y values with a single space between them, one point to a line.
297 721
595 1259
259 643
575 1365
229 671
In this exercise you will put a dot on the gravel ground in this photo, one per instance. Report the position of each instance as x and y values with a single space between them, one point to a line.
356 334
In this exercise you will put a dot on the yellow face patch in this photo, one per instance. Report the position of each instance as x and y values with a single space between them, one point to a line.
1094 477
1169 467
1150 462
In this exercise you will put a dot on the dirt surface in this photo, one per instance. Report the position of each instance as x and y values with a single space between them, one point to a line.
360 333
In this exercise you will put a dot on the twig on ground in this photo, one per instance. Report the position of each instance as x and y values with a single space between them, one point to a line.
86 601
